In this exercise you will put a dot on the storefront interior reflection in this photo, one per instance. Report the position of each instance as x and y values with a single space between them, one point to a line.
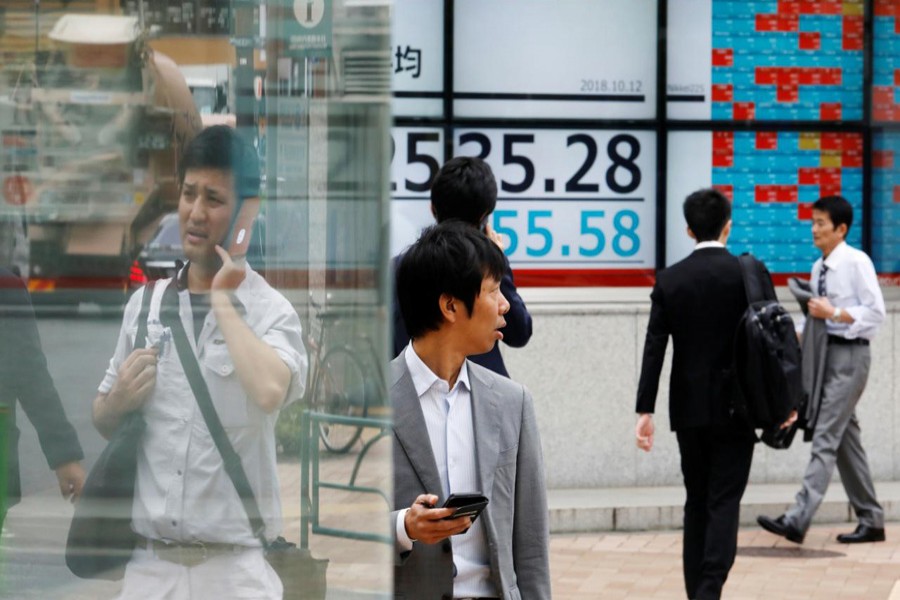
99 100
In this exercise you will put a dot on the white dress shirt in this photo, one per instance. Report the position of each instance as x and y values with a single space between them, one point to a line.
182 492
448 418
711 244
851 285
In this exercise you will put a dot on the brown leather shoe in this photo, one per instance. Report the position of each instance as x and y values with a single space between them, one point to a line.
781 527
863 534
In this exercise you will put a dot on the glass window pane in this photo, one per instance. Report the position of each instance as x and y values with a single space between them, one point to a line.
417 54
886 52
765 61
564 59
576 207
772 178
249 141
417 154
886 204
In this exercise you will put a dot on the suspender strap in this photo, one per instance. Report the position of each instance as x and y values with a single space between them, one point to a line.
171 317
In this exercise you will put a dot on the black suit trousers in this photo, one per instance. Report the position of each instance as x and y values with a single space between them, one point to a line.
715 462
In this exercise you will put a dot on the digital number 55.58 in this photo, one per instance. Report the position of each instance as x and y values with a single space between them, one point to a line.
549 234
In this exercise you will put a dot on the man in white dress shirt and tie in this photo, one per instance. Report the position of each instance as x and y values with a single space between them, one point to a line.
852 306
460 428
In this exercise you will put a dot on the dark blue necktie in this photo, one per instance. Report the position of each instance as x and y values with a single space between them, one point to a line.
822 289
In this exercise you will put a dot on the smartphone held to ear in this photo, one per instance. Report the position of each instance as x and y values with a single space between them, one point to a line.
238 239
466 505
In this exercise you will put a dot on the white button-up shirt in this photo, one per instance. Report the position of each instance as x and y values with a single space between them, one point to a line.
851 285
710 244
448 418
182 492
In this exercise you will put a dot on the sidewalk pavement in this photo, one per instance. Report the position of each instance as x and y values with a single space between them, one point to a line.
642 508
584 565
648 565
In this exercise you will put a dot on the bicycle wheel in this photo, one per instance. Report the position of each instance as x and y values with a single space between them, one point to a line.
341 389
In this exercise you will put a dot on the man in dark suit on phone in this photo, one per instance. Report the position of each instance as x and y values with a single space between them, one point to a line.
699 302
465 189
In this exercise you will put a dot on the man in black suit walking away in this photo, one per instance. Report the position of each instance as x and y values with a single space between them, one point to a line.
699 302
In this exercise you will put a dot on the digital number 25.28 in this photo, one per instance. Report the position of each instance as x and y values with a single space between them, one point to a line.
592 238
623 176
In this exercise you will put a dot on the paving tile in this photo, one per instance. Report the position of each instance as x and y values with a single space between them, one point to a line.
584 566
648 565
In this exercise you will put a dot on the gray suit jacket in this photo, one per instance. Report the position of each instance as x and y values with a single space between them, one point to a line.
813 351
511 472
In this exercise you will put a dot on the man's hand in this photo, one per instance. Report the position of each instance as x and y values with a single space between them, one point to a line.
494 236
792 418
643 432
71 479
424 524
232 273
135 382
820 308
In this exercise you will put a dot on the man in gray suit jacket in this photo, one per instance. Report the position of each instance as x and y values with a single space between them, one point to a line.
459 428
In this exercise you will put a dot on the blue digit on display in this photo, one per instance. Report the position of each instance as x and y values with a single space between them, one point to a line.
507 231
587 229
535 229
629 233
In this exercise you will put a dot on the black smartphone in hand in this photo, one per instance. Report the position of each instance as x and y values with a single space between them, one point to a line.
466 505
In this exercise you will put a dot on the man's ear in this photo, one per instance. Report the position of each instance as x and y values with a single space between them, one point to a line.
726 231
842 229
691 234
449 307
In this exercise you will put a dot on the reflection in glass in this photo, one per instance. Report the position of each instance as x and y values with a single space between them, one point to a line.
94 113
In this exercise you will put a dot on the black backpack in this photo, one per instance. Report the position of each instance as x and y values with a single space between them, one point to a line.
766 357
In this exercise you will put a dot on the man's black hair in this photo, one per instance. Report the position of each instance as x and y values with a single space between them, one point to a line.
464 189
448 258
838 209
707 211
221 147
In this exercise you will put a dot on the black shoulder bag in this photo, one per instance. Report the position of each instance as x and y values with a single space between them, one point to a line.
100 539
767 359
301 575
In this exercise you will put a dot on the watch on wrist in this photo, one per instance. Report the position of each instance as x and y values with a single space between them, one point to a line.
837 314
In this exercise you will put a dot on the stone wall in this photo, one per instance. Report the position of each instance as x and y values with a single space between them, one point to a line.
582 366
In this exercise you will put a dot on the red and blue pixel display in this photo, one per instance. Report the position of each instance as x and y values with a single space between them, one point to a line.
773 178
787 60
886 202
886 71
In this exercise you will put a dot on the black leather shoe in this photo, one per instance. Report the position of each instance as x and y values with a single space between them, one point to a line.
863 534
780 527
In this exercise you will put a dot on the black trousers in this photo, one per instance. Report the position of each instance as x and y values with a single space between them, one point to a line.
715 462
